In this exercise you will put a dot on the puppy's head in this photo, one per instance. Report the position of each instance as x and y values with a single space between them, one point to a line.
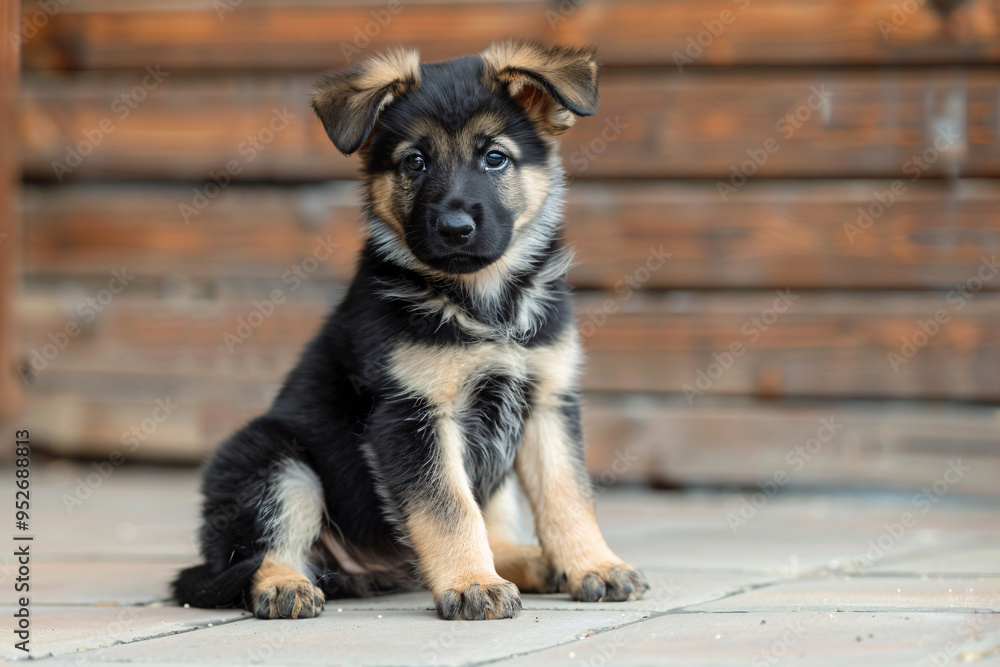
459 156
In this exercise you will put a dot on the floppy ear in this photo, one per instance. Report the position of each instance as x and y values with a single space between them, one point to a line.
551 82
348 101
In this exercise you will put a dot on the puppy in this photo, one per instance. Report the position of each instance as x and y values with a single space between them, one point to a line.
445 380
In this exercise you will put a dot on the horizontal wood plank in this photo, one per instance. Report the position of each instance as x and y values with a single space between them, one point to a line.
277 37
793 234
725 126
701 32
826 344
282 35
780 343
631 438
771 445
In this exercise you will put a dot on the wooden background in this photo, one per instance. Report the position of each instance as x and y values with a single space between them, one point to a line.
681 108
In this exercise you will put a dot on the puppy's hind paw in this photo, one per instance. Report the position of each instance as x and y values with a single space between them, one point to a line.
614 583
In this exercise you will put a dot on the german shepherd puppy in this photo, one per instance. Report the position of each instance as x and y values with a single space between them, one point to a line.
446 378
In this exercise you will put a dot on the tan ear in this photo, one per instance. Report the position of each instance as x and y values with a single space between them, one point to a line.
349 101
551 82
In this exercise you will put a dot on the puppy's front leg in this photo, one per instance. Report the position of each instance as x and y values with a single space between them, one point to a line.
551 469
428 485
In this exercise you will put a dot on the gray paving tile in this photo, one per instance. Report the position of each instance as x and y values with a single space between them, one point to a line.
669 590
772 638
981 559
416 600
626 512
133 511
366 637
61 630
98 582
867 593
783 553
826 533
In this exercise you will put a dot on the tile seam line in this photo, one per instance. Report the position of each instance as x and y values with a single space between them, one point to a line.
575 640
652 615
52 656
964 545
685 612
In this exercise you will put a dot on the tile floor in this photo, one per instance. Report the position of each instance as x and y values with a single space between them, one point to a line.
809 579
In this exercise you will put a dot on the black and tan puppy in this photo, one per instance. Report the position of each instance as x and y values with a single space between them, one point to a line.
445 379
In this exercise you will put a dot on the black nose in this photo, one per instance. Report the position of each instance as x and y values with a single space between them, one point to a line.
456 227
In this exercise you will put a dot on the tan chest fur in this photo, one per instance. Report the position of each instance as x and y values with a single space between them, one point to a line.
446 375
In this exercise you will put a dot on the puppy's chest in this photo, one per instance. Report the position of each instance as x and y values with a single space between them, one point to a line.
488 390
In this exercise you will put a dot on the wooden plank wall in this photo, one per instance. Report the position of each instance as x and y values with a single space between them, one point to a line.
10 387
787 215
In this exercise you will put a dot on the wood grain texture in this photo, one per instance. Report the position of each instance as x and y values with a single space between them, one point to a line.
699 33
632 438
823 344
279 36
282 35
196 328
798 234
777 444
10 386
714 125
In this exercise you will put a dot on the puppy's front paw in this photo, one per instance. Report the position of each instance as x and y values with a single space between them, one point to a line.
614 582
287 597
478 601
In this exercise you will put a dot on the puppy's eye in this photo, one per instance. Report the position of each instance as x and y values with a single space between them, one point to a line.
414 162
495 160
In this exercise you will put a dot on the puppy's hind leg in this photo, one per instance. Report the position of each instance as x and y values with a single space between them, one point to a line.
292 516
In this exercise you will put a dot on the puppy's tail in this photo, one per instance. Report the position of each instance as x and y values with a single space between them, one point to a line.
198 586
